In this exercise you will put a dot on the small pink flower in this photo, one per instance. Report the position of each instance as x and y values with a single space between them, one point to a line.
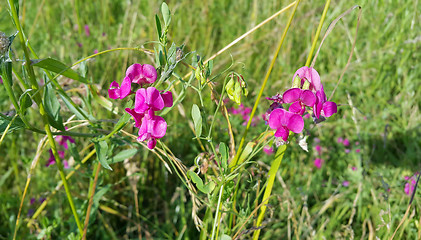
1 80
115 91
354 168
284 121
268 150
318 163
410 185
148 99
346 142
318 149
152 127
141 74
357 143
87 31
345 183
32 201
79 45
299 99
95 51
65 164
62 140
347 150
357 150
340 140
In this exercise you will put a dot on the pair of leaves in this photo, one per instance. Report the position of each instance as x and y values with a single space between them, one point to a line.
205 188
166 15
102 154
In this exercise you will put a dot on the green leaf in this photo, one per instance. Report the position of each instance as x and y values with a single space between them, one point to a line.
52 107
123 155
25 100
223 150
5 121
101 153
6 71
225 237
78 112
208 188
59 68
166 14
74 152
158 26
197 120
247 151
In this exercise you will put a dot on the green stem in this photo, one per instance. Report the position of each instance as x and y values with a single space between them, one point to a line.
217 212
316 37
235 162
37 98
272 173
219 105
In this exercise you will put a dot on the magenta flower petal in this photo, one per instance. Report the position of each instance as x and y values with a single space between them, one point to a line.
157 127
114 90
308 98
154 99
296 123
168 99
291 95
275 118
125 89
152 143
282 132
134 72
311 75
140 105
329 108
296 108
136 116
149 73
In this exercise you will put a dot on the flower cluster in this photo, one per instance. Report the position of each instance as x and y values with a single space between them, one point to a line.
62 141
245 114
410 184
306 91
147 102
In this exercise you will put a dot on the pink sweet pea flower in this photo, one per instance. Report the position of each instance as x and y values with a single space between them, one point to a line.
329 108
284 121
345 183
152 127
136 116
115 91
310 75
141 74
62 140
346 142
148 99
299 99
168 99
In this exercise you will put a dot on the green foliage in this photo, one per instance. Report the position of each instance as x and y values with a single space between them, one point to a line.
382 114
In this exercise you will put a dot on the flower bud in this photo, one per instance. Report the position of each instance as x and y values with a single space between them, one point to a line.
4 43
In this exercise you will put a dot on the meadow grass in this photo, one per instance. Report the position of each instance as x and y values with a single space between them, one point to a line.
379 107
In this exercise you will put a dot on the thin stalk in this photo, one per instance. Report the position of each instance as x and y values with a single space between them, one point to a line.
234 162
319 28
37 98
91 200
217 212
272 173
219 105
7 129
